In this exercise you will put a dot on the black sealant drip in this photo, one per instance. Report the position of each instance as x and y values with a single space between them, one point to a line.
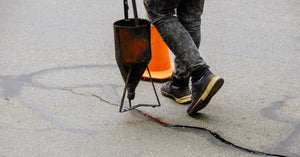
14 89
185 127
214 134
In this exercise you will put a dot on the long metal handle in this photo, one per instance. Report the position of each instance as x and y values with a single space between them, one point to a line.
136 21
126 10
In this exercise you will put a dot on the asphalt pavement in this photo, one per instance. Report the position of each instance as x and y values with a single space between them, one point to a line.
60 87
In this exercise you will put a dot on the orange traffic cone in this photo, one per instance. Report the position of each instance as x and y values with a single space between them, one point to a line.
160 66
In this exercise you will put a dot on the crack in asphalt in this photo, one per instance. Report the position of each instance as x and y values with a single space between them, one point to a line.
13 85
185 127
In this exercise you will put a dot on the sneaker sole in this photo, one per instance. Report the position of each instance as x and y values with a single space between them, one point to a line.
182 100
214 85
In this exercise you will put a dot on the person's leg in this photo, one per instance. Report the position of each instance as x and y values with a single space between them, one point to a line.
204 85
181 43
163 11
175 35
189 14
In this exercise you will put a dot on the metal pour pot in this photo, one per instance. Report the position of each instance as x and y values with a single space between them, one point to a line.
132 52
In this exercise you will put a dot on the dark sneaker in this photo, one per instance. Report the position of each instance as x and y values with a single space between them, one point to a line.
203 90
179 94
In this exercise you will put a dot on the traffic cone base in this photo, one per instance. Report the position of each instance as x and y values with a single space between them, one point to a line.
160 75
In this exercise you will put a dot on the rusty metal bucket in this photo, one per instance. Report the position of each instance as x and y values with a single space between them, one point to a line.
132 52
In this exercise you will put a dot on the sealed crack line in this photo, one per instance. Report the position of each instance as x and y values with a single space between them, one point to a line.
13 84
214 134
272 112
185 127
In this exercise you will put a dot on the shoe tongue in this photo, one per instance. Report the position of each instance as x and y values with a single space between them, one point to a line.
207 72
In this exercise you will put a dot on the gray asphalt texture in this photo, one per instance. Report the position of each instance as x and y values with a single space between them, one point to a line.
60 85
